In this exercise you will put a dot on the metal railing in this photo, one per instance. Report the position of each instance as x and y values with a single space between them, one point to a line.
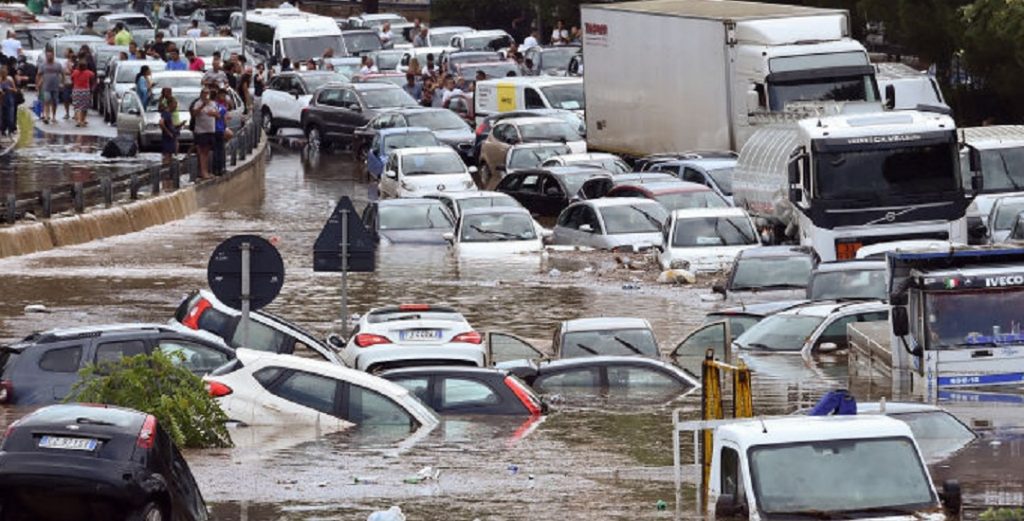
147 181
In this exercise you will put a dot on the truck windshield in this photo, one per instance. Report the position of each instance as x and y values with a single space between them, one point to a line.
857 88
839 476
870 174
306 47
1003 170
974 318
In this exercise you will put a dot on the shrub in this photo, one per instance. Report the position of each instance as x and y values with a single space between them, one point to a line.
157 385
1003 514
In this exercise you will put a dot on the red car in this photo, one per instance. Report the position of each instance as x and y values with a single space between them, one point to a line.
673 195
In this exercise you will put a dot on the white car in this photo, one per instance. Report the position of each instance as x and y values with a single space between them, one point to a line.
412 172
288 93
1003 216
707 239
610 162
612 223
496 231
176 79
123 80
261 389
815 327
457 202
411 335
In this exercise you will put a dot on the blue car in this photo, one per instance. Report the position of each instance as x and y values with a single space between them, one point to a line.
387 139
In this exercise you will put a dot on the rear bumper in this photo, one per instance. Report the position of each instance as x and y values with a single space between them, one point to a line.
127 484
427 354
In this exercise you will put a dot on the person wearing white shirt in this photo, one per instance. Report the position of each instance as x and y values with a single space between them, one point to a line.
530 42
385 34
10 46
368 67
194 31
559 35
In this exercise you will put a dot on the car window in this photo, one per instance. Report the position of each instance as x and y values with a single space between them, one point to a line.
693 176
626 376
570 218
510 183
197 358
112 352
309 390
585 378
301 349
348 98
261 337
418 386
551 188
63 360
836 332
329 97
267 376
532 99
461 392
366 407
530 183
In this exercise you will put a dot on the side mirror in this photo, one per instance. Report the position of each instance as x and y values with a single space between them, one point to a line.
726 506
974 160
391 174
448 236
586 228
900 321
952 497
354 107
336 342
472 170
890 97
134 112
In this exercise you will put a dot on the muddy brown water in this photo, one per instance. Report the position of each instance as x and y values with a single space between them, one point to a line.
583 461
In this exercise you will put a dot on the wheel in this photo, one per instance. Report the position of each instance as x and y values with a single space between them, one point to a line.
485 176
313 138
268 122
151 512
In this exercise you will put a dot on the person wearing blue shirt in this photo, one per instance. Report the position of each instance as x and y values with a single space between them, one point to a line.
143 85
174 61
219 129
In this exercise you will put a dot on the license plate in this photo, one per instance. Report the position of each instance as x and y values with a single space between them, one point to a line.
421 334
59 442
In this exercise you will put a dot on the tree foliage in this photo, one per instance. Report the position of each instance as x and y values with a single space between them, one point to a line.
157 385
1003 514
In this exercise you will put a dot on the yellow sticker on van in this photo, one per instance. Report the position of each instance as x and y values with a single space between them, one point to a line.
506 97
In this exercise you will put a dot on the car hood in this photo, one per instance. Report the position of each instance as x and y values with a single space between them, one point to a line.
639 241
440 182
492 249
431 236
701 259
455 136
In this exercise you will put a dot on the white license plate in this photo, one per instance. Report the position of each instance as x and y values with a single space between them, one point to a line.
421 334
59 442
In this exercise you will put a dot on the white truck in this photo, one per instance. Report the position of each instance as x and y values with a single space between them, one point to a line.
999 152
859 177
865 467
674 75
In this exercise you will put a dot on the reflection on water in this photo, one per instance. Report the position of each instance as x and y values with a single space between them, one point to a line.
590 459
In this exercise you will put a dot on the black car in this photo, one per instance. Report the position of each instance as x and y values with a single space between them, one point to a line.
408 221
552 61
42 368
468 390
547 191
770 273
449 128
336 111
615 378
91 462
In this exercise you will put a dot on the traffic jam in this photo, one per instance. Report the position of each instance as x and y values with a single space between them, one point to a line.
769 284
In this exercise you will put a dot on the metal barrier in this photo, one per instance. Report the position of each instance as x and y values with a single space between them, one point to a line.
146 181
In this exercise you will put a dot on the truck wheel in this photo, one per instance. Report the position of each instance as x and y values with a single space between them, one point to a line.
268 122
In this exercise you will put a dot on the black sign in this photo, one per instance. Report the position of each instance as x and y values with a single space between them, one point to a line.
266 271
361 246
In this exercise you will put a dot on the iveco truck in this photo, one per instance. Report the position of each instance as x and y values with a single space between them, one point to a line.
675 75
859 177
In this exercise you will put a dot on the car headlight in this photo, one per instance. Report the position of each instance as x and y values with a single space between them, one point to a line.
679 264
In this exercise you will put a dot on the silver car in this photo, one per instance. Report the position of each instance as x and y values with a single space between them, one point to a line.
122 80
621 223
144 126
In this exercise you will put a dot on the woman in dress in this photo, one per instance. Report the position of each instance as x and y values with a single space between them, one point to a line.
82 81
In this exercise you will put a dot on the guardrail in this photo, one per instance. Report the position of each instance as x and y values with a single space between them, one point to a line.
147 181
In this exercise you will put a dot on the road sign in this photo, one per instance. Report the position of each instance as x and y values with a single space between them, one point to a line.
226 272
328 249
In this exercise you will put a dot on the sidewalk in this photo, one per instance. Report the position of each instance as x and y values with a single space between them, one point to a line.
66 127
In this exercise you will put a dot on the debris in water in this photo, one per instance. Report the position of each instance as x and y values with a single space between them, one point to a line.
29 216
676 277
392 514
36 308
554 272
322 484
631 286
425 474
513 469
287 481
661 505
362 480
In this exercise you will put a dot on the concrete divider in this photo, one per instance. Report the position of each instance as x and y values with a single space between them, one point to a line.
243 185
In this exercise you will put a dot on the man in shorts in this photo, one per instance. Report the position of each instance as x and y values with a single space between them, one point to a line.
50 79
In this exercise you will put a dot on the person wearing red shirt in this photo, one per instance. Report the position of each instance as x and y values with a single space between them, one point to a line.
82 82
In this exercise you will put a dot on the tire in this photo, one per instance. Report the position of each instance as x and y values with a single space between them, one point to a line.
314 138
485 176
151 512
268 123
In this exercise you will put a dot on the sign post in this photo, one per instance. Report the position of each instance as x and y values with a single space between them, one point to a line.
344 245
246 273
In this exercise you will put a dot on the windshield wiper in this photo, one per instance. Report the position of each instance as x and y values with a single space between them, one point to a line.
757 345
493 232
657 224
771 286
742 233
588 349
628 345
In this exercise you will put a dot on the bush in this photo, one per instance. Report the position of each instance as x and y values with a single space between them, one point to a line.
157 385
1003 514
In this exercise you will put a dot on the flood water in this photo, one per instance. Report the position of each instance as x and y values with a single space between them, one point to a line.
585 461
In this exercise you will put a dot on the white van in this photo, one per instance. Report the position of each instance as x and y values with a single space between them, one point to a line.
910 87
528 93
291 34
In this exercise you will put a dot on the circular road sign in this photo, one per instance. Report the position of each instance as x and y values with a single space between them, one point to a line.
266 271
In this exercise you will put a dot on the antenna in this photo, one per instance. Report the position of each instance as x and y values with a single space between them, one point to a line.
764 428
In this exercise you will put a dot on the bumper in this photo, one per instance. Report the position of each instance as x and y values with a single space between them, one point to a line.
427 354
71 475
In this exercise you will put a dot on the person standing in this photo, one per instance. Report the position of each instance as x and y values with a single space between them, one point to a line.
531 41
49 78
9 108
160 46
559 35
422 38
259 81
204 114
368 67
89 30
70 65
144 85
174 62
11 47
385 34
122 35
220 126
169 129
194 31
195 63
413 87
82 82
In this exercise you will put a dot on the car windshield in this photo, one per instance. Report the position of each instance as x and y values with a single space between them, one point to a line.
409 140
437 120
486 202
848 284
754 272
498 227
226 46
693 199
839 476
722 178
176 82
386 98
786 332
358 43
300 49
37 38
486 43
937 433
415 217
1006 213
713 231
558 58
530 157
1003 170
185 100
136 22
634 218
491 69
566 97
548 131
387 61
428 164
610 342
126 71
315 81
989 317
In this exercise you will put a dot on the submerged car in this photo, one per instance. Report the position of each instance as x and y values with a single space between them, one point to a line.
387 140
611 224
408 221
458 202
78 461
770 272
269 389
547 191
673 195
499 230
411 172
815 327
469 390
630 379
703 240
412 335
849 280
610 162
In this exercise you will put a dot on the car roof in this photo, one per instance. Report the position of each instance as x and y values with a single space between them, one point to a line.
851 265
587 156
567 170
760 309
640 177
176 74
64 412
402 130
827 308
675 186
896 407
606 202
407 201
68 333
490 210
709 163
603 324
777 251
364 379
414 151
586 361
412 110
470 194
795 429
485 32
692 213
372 85
444 370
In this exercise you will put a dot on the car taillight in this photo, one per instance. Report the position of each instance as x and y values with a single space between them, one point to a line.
6 390
471 337
217 389
524 395
192 319
147 435
414 307
369 339
480 129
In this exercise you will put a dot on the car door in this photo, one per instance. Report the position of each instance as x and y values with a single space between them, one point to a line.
130 116
328 113
276 94
466 395
58 373
590 230
235 113
300 398
832 336
714 340
370 219
370 409
510 185
566 230
496 146
528 193
505 347
551 195
294 99
350 113
374 158
635 383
